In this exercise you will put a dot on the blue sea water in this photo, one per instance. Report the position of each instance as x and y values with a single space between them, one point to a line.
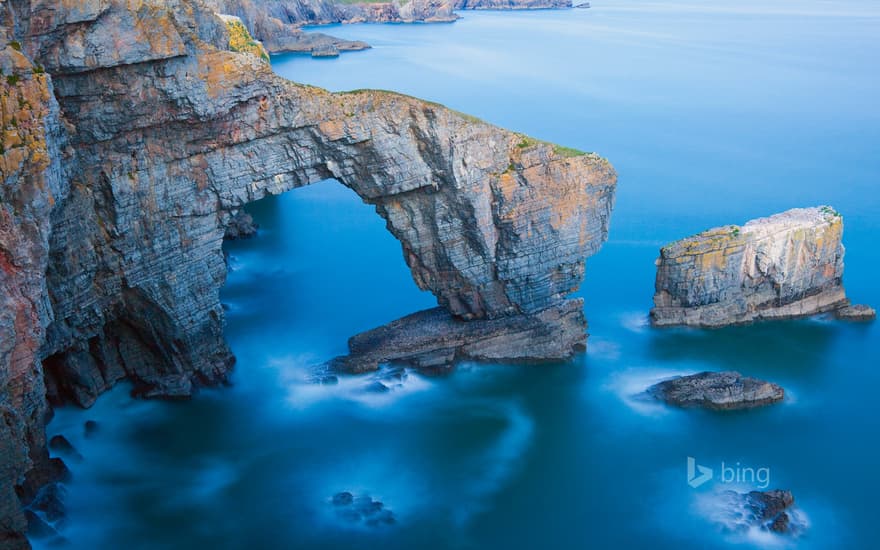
712 112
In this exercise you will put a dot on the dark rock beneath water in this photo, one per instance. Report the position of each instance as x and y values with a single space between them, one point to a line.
90 428
381 517
50 501
856 313
241 226
65 448
717 390
433 339
171 387
377 387
37 528
362 509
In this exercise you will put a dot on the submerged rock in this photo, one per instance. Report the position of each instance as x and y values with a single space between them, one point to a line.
37 527
171 387
717 390
377 387
361 509
50 501
433 339
785 266
65 448
91 428
856 313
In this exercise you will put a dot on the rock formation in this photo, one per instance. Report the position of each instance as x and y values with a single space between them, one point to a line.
277 23
785 266
717 390
859 313
241 226
510 4
434 339
772 511
132 137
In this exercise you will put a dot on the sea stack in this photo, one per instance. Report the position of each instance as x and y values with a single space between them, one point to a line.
785 266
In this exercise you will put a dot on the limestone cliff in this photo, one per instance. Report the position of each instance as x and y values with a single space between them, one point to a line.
33 179
510 4
787 265
277 22
132 136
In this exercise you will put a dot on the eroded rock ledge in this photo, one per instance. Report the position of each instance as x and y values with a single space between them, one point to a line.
133 137
434 339
785 266
727 390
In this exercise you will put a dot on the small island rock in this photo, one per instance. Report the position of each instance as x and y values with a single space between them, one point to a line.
717 390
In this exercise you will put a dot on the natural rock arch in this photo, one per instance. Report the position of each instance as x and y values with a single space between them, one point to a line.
144 135
492 222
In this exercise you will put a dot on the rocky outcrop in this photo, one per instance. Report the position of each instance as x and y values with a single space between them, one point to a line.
511 4
772 511
277 23
241 226
240 39
718 391
361 510
785 266
123 169
434 339
860 313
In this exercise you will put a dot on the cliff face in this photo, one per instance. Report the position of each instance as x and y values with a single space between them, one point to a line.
787 265
33 180
510 4
122 169
277 22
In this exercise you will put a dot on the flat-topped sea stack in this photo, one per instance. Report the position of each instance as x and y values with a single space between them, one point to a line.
785 266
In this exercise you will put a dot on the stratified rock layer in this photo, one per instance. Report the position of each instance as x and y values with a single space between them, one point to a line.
135 136
434 339
717 390
277 22
785 266
859 313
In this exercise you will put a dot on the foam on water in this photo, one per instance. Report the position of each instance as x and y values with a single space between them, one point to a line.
630 385
377 390
728 511
636 321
